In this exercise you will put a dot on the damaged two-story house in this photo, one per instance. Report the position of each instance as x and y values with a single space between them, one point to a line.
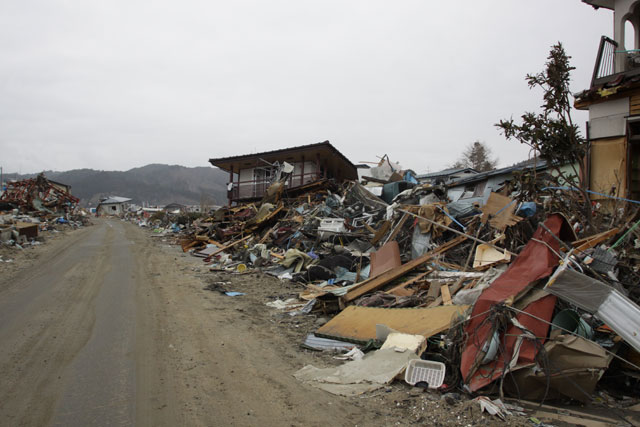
251 174
613 102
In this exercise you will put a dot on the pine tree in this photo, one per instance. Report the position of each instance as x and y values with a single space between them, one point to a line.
477 156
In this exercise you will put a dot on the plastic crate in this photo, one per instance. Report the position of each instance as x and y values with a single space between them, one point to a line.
427 371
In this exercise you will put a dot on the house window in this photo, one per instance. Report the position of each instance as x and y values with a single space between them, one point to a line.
479 190
262 178
474 190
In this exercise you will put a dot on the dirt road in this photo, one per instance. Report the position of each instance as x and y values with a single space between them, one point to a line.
105 328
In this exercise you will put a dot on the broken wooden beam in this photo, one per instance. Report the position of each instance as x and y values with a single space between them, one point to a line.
446 295
378 282
408 282
596 239
224 248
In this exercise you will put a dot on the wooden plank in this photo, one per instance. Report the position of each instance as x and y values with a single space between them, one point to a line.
188 246
358 324
499 211
369 228
267 233
230 245
634 105
432 294
378 282
386 225
408 282
596 239
446 295
452 291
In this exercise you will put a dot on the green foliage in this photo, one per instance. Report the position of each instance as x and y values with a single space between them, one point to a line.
552 132
553 135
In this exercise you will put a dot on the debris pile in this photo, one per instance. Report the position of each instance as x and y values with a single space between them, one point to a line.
34 205
509 297
39 194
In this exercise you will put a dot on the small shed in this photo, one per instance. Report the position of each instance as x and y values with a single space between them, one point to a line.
113 206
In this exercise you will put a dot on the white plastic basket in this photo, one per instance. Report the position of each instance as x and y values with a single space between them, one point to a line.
427 371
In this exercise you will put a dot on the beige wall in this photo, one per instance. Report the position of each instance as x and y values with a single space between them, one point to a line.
608 166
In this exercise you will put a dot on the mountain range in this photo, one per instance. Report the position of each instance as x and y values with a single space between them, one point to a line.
154 184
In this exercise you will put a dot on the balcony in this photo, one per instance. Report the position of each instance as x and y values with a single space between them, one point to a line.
612 64
252 190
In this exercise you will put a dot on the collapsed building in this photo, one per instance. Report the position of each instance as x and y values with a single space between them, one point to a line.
39 194
35 204
114 205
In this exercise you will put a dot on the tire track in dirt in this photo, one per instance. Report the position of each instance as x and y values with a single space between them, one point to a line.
52 317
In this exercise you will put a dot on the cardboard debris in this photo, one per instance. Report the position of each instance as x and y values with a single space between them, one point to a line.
575 366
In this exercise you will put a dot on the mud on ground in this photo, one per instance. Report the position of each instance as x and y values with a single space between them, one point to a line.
397 404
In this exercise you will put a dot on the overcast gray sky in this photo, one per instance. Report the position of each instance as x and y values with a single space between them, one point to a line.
119 84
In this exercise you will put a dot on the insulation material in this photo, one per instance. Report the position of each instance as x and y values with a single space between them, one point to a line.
358 324
359 376
414 343
420 243
608 167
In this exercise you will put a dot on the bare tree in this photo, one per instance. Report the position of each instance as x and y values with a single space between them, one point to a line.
477 156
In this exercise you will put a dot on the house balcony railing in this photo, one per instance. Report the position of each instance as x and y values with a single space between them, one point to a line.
255 189
608 67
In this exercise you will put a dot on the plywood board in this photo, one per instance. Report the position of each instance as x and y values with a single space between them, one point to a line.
386 258
608 167
499 211
634 105
358 324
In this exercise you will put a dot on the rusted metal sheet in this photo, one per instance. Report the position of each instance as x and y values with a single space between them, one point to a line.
358 324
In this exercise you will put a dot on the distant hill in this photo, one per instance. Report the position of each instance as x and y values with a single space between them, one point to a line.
154 184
